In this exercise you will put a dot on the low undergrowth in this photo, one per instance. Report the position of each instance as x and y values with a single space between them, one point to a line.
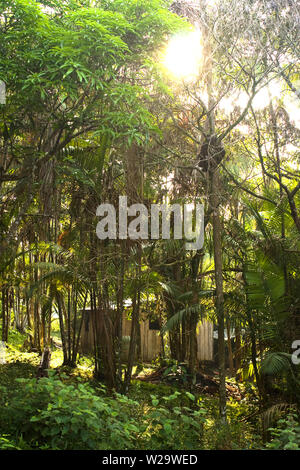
70 410
53 414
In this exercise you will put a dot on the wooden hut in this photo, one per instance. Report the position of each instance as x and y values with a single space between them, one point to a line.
151 345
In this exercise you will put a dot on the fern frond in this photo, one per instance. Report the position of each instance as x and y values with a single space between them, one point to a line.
275 363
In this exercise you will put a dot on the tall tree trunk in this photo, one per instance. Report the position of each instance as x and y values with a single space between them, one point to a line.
120 309
4 299
197 262
193 320
77 342
214 201
238 352
217 243
230 355
253 343
133 339
62 327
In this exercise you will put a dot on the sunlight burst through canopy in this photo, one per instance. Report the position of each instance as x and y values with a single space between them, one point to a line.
183 55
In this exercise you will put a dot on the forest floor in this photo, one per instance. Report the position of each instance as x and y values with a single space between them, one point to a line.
207 380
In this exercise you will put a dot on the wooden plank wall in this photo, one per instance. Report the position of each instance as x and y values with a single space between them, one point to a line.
87 334
151 342
205 341
150 339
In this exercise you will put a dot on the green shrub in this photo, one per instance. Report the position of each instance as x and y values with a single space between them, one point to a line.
51 414
6 443
176 373
170 426
287 435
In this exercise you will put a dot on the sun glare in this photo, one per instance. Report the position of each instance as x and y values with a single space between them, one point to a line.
263 99
182 56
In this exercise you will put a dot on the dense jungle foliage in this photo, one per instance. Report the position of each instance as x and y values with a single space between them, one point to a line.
164 103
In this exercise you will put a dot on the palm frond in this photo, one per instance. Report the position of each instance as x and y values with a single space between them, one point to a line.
276 363
178 317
